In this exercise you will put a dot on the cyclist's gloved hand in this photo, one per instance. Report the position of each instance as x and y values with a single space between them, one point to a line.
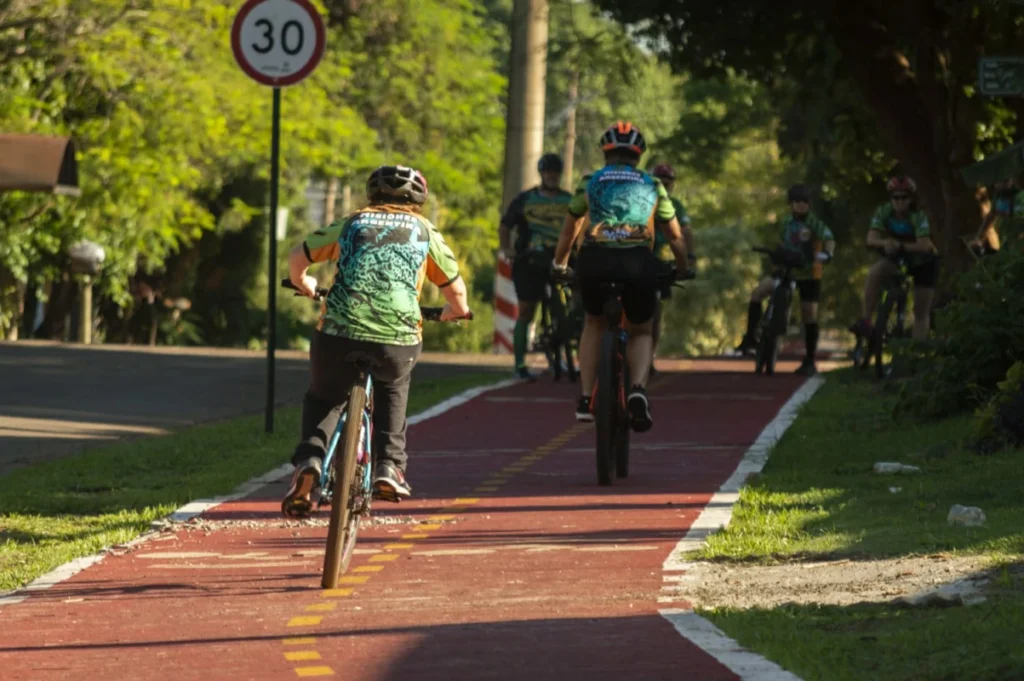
823 257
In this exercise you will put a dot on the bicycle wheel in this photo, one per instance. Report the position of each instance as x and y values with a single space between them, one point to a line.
344 525
606 412
879 334
622 434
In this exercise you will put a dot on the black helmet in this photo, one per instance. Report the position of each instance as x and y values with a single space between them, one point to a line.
550 162
397 182
798 192
626 136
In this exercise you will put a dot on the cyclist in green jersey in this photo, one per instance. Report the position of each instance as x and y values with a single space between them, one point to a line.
667 174
536 215
804 233
901 228
384 253
618 208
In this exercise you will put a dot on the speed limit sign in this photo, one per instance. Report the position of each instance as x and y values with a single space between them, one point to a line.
278 42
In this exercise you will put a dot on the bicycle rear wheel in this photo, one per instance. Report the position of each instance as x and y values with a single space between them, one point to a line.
344 525
622 433
606 412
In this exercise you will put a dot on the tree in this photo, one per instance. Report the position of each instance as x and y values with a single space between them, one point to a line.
914 64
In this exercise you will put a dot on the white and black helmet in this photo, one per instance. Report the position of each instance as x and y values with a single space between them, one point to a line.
397 182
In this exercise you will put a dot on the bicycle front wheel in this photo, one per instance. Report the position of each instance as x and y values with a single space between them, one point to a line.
879 335
622 434
344 525
606 411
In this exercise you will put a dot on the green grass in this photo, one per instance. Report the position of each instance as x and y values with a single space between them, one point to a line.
54 512
818 497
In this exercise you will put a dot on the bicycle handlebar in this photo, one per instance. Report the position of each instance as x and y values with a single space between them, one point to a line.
432 314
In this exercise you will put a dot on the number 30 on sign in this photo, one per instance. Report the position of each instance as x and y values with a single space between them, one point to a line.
277 42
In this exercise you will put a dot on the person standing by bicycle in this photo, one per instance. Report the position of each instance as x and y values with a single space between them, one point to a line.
384 252
1004 221
536 215
624 205
667 174
803 233
900 228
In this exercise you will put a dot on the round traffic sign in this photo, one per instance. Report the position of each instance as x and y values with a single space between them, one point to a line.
278 42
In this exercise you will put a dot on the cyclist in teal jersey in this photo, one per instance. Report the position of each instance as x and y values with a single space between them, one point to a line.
536 215
1004 221
900 227
618 208
384 253
667 175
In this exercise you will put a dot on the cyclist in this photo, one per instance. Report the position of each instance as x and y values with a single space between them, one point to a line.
1002 222
536 215
384 252
900 227
803 233
667 175
623 205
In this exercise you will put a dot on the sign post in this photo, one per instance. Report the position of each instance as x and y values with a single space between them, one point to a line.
1001 76
277 43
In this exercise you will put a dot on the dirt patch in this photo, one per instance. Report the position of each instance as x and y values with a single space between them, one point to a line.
838 582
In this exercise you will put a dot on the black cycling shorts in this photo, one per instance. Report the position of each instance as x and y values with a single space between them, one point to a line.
530 273
810 290
635 267
926 273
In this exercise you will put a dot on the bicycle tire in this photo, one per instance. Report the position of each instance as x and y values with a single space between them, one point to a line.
622 434
344 525
570 361
878 335
606 412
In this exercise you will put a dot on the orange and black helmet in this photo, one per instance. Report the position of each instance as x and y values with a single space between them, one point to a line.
626 136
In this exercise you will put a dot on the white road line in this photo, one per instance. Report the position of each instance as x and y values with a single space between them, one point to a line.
716 516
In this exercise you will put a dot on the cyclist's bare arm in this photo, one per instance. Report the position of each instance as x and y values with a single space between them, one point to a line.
456 297
298 268
505 239
570 230
878 239
830 248
691 246
676 242
922 245
987 225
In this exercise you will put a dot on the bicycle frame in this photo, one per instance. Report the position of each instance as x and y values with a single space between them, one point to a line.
327 473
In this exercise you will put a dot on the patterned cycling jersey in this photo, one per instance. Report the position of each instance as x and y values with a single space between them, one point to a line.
623 204
905 229
660 240
537 219
383 256
807 236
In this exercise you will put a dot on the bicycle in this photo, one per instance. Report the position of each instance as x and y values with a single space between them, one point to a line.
351 473
895 291
559 337
770 333
611 416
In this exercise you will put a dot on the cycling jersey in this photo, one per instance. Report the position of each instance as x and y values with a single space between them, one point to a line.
537 219
807 236
1009 216
905 229
660 240
383 257
623 204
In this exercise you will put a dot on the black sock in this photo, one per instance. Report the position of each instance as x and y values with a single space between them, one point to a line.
811 338
753 318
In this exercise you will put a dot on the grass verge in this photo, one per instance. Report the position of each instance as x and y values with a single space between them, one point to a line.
818 497
54 512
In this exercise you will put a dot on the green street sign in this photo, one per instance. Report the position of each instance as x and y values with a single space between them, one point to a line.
1001 76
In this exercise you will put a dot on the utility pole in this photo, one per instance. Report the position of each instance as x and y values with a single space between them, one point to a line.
524 131
330 196
570 130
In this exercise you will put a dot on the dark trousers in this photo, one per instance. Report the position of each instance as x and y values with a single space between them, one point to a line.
333 371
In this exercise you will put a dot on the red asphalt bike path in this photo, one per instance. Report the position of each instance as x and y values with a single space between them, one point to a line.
509 563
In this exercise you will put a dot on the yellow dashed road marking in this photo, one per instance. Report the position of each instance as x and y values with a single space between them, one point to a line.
351 579
384 558
466 501
429 526
321 607
368 568
300 641
305 621
335 593
397 547
439 518
302 655
486 489
314 671
408 536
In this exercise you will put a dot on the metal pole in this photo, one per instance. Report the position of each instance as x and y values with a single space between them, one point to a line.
85 311
329 199
275 150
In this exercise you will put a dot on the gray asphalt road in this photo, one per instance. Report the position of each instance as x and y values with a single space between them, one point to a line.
57 399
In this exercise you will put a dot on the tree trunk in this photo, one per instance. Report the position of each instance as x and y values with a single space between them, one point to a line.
570 130
62 297
330 197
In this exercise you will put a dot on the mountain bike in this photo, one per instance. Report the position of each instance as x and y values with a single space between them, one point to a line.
560 329
890 319
611 416
346 480
770 333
